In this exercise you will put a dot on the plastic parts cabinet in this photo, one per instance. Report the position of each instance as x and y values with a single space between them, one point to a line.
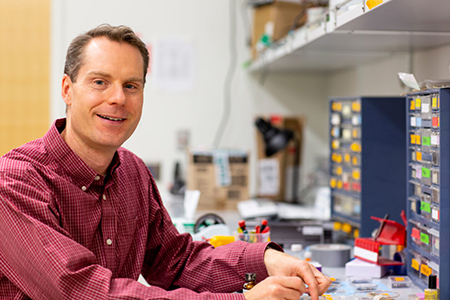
428 187
367 160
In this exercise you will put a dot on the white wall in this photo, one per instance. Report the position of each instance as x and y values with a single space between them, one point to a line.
207 24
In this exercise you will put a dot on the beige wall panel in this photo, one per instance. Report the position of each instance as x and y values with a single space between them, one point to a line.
24 71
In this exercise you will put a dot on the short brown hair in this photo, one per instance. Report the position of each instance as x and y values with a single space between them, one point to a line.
75 52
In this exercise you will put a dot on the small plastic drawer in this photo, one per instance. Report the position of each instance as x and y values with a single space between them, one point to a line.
435 195
425 206
416 260
435 139
435 213
425 173
425 238
434 241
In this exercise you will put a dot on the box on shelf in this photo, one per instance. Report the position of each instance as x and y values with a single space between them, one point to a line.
221 176
278 176
276 20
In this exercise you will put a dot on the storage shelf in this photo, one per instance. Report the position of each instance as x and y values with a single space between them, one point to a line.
360 35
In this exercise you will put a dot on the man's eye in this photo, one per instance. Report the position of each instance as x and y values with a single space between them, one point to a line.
130 86
99 82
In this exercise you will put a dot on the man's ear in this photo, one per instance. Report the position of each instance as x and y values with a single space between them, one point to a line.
66 89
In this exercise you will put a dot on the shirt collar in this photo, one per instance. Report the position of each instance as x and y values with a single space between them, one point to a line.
73 165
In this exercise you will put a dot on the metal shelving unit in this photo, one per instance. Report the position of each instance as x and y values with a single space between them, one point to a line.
345 39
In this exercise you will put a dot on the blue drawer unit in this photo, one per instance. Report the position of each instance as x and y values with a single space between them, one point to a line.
428 198
367 160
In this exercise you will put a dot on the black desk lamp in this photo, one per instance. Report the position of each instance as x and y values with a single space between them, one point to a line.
274 138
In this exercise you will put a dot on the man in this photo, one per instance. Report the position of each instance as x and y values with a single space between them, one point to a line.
81 217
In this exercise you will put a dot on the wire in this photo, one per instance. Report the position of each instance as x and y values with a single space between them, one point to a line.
229 77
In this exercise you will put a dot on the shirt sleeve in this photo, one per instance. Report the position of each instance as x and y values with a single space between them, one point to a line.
173 260
40 260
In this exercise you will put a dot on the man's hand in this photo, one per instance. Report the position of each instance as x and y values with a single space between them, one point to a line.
277 288
282 266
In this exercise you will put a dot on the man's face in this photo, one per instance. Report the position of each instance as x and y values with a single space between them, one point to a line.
104 105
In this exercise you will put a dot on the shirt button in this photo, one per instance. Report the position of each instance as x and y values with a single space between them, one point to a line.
109 242
104 197
97 177
83 188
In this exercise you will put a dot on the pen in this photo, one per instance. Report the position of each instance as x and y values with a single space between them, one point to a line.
263 225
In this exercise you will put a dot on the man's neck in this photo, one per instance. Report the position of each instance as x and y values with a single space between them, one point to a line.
99 161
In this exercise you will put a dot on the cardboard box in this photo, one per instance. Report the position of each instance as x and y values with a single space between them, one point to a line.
279 175
221 176
277 18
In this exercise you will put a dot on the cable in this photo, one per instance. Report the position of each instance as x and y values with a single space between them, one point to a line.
229 77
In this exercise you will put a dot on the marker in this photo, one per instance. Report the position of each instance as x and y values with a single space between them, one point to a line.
257 229
263 225
267 229
242 226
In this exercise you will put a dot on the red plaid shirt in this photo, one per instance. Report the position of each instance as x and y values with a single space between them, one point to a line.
69 233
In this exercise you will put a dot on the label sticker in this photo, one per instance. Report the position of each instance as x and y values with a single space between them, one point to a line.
435 122
425 206
418 102
425 270
415 264
426 140
419 156
426 173
434 103
424 238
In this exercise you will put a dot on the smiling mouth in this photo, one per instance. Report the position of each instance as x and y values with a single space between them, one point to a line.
111 118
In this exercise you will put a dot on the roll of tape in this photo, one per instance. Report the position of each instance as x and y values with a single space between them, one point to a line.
331 255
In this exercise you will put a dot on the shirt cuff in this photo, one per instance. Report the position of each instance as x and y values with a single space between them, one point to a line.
254 259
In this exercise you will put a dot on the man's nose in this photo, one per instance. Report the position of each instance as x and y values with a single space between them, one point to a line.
118 96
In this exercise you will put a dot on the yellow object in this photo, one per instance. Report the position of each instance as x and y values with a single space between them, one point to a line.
415 264
356 233
425 270
356 106
221 240
347 228
339 170
336 106
373 3
335 144
333 183
356 174
337 226
339 184
347 157
418 103
419 156
412 105
434 102
355 147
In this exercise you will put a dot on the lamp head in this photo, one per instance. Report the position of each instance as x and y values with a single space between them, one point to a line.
274 138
